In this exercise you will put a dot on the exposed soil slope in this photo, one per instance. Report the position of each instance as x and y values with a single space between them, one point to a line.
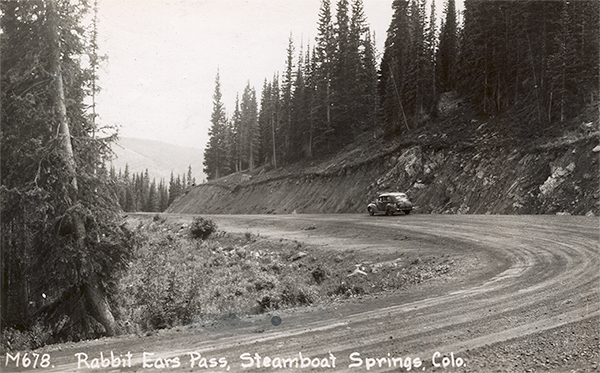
461 167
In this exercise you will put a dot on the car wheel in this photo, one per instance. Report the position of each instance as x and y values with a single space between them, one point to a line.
407 212
389 212
371 212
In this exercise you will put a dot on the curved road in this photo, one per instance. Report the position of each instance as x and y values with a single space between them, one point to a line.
522 275
532 273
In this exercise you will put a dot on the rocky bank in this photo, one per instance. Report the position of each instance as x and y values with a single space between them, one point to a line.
558 177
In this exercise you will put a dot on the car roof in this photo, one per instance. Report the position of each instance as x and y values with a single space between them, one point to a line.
395 194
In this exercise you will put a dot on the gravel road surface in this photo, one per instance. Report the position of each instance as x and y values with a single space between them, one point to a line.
525 297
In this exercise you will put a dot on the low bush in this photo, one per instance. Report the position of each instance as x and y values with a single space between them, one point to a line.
158 218
176 280
202 228
18 340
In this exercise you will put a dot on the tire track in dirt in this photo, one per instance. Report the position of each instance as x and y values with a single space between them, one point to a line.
552 280
536 273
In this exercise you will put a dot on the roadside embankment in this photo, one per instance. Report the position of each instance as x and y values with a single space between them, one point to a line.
558 178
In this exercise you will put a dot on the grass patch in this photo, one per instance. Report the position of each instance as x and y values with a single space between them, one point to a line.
177 280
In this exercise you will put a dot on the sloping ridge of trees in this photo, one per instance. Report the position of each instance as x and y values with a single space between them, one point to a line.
441 174
63 245
534 62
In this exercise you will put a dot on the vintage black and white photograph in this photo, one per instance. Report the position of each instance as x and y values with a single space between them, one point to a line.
300 186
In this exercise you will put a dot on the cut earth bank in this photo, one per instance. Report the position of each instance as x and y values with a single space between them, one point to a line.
554 178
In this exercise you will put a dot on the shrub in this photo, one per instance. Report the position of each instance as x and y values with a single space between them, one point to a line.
319 275
202 228
18 340
159 218
14 340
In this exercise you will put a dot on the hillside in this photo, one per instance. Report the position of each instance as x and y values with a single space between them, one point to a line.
459 164
158 157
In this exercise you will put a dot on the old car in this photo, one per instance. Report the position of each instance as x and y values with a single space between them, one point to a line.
390 203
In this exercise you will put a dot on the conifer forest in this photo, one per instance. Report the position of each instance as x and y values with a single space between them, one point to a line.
63 234
535 60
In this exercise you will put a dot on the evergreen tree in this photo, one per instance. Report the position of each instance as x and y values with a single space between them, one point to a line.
130 202
447 54
95 59
431 43
178 187
61 232
163 193
363 92
275 118
569 69
239 136
249 126
264 124
270 123
144 191
419 91
311 113
395 68
322 77
215 161
342 78
406 84
191 180
228 149
300 121
286 103
531 58
305 105
173 190
153 198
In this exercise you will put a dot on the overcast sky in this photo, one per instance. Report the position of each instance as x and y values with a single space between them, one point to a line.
163 56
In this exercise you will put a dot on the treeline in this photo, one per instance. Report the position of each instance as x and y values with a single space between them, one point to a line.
136 192
324 99
537 60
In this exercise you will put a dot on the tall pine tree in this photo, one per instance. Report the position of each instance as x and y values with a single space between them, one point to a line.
249 127
61 233
447 54
322 77
395 68
215 159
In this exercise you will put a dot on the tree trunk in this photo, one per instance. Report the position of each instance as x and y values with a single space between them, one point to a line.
93 293
274 148
98 305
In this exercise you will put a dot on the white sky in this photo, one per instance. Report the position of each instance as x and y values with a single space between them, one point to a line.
163 56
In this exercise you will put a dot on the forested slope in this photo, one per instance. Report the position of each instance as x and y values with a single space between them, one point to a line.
467 167
499 115
535 63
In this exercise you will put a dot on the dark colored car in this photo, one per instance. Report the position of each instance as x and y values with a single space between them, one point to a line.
390 203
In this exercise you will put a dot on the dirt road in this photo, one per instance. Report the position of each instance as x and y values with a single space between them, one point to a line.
526 298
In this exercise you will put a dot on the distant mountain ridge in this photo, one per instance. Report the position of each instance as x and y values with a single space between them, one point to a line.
159 158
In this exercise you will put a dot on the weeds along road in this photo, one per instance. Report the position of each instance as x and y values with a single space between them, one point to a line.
517 278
